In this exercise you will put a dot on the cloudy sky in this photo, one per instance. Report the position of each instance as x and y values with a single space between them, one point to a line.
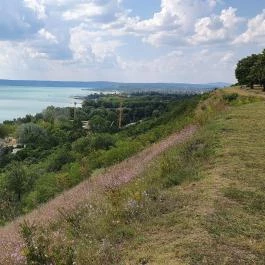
128 40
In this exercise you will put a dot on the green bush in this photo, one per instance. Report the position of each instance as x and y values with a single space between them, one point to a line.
3 131
230 97
38 247
17 180
58 159
32 134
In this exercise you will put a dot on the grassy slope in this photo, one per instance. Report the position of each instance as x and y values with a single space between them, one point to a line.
245 92
220 218
200 203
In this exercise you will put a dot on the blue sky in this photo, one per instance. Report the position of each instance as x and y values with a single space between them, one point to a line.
193 41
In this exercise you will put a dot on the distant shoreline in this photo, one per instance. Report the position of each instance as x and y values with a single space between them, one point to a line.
21 98
17 102
106 85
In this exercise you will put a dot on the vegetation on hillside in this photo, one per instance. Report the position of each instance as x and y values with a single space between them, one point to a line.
157 214
60 152
200 203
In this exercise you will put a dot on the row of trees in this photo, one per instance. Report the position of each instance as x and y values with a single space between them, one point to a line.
251 70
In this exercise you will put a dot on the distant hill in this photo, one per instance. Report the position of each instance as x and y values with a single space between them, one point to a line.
39 83
170 86
103 85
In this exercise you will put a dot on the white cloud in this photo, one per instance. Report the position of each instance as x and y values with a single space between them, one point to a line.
216 28
255 32
228 57
83 11
172 23
103 11
197 66
92 46
170 38
175 14
82 39
17 20
19 58
38 7
47 35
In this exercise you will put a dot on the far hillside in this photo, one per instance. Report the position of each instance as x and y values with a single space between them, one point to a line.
118 86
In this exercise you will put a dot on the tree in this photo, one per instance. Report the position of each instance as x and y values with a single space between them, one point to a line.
3 131
99 124
251 70
257 71
17 180
243 70
59 158
31 133
49 114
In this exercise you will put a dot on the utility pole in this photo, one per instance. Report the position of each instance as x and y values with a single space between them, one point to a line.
120 114
75 111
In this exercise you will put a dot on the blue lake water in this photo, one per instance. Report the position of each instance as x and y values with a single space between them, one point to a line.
18 101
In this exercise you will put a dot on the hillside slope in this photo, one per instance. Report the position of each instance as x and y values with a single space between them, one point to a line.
220 218
122 173
200 202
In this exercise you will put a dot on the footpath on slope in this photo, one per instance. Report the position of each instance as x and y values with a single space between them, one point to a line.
122 173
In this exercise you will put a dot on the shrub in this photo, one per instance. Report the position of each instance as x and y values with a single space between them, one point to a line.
17 180
40 249
230 97
102 141
82 145
32 134
3 131
58 159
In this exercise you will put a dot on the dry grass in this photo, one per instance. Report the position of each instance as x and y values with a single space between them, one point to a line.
245 92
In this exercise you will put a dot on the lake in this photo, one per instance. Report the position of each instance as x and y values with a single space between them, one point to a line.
17 101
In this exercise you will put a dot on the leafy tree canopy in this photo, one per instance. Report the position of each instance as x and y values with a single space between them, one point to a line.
251 70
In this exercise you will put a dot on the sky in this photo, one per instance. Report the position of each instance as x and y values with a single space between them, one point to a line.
193 41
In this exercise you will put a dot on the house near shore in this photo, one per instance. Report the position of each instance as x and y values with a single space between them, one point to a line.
11 141
86 125
10 144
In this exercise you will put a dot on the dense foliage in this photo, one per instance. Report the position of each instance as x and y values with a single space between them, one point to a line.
60 151
251 70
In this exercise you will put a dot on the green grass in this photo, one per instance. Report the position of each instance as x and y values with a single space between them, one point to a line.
235 226
220 218
199 203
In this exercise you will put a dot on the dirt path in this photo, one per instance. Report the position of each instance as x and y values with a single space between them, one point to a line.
116 175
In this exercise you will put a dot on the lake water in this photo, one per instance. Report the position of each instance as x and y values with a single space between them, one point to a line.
16 102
